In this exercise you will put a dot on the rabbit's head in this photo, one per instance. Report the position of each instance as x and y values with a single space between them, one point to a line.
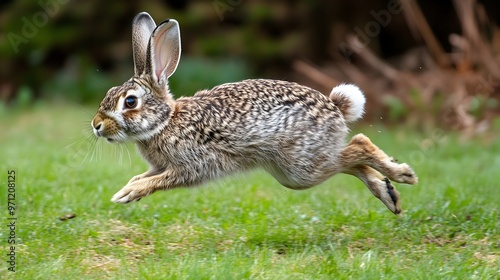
142 106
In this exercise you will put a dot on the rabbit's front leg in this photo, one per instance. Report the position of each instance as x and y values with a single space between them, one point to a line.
138 177
148 173
135 190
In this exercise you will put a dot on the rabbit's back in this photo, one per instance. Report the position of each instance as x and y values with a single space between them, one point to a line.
255 111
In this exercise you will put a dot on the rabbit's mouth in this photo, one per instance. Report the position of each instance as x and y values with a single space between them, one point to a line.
116 138
100 134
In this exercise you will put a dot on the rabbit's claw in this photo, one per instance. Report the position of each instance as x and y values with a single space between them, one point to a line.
394 195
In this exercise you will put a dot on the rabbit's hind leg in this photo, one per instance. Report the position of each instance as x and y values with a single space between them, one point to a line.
379 185
361 151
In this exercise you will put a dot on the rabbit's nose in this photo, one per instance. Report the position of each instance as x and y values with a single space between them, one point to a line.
98 125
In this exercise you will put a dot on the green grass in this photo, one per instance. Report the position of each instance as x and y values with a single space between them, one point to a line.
246 226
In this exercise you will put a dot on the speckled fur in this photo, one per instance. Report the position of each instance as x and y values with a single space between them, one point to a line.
294 132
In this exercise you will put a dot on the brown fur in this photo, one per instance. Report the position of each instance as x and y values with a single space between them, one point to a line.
294 132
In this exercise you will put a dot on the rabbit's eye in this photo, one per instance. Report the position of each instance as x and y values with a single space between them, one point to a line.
130 102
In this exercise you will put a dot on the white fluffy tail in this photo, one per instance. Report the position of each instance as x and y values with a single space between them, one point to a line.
350 100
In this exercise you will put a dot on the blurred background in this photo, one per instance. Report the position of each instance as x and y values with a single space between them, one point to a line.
421 63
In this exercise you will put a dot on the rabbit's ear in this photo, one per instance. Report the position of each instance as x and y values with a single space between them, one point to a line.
164 51
142 28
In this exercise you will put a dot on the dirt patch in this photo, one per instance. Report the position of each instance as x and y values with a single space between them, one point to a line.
115 245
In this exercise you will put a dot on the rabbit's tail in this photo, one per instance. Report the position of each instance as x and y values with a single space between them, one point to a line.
350 100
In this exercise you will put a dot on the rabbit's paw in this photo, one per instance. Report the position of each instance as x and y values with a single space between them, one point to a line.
390 197
404 174
130 193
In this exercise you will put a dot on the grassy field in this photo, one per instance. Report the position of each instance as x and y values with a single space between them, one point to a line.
246 226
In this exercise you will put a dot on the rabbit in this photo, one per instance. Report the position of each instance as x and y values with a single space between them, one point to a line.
294 132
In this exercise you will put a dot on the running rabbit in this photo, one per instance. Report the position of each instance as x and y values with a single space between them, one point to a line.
293 132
